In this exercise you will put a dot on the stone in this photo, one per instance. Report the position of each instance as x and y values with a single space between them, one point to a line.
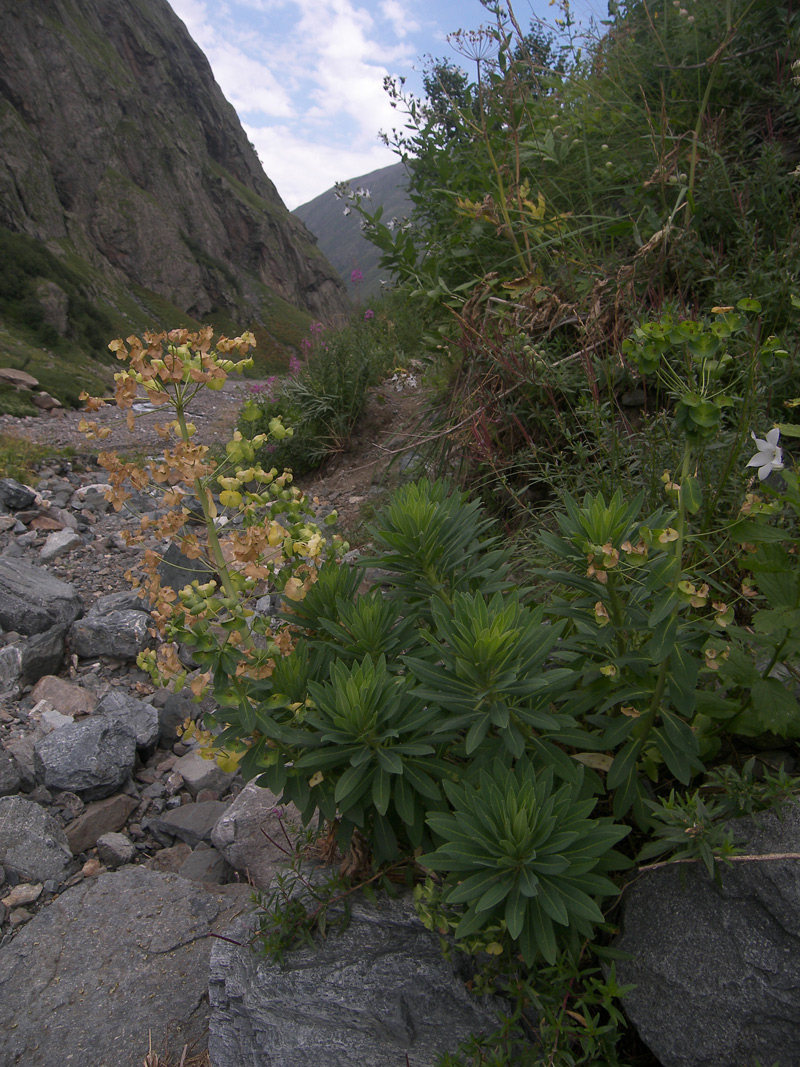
16 496
372 995
21 751
43 653
176 570
66 697
58 543
716 970
173 712
169 860
92 757
10 780
47 718
205 864
33 846
112 960
10 671
24 893
114 849
45 402
242 834
191 823
140 716
33 600
104 816
126 600
199 773
18 378
122 634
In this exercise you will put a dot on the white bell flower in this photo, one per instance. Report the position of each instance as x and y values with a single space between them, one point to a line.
769 457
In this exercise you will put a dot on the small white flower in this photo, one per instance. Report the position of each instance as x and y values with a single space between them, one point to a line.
769 457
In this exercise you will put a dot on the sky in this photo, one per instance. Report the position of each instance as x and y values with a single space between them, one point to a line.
306 76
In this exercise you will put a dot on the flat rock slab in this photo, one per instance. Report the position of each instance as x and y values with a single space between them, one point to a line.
717 969
380 991
107 963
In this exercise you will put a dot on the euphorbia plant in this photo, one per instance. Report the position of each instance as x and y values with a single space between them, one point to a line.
256 531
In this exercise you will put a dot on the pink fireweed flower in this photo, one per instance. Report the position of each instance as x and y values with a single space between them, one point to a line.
369 314
356 276
294 365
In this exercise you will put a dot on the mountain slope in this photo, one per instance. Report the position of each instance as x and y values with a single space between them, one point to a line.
120 155
339 235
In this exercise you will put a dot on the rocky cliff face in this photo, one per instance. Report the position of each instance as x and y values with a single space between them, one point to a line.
119 151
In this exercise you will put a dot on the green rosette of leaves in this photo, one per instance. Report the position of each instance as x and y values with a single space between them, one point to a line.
370 758
516 850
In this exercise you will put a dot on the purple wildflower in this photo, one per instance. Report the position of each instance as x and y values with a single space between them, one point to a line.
369 314
356 276
294 365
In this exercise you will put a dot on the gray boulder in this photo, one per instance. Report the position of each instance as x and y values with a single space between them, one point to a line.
91 758
205 864
122 634
32 844
43 653
32 600
115 849
109 962
199 773
377 992
256 834
58 543
137 714
15 495
717 969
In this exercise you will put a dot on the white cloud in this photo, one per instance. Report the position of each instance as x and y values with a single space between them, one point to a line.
397 14
302 169
306 78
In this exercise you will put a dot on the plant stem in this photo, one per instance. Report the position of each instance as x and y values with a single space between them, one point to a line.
214 547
